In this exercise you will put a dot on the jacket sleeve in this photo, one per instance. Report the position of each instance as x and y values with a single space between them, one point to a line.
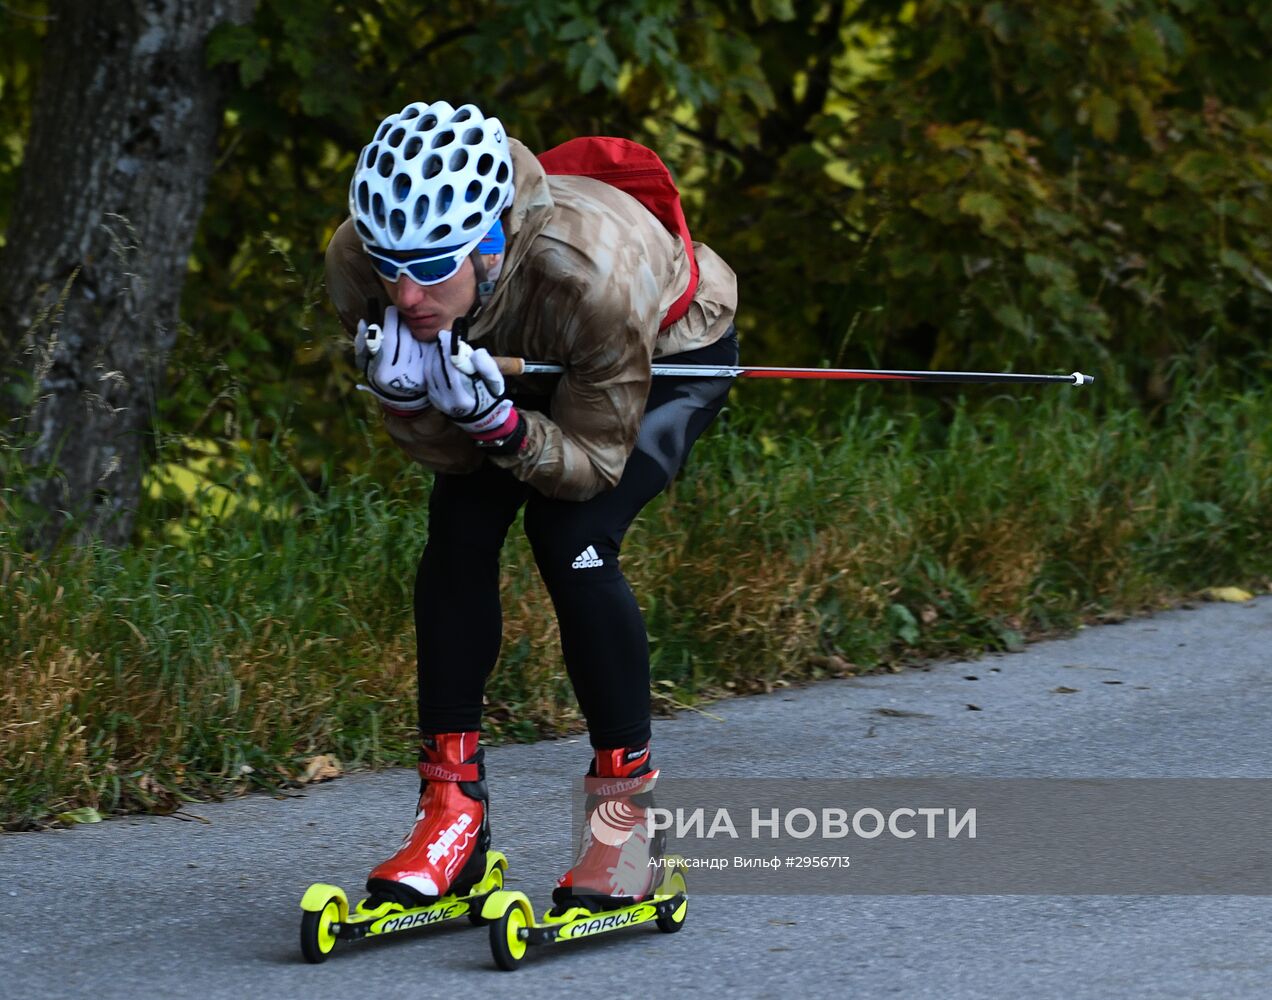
434 441
606 335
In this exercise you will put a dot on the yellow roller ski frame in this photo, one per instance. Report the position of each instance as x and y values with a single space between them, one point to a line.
513 928
326 919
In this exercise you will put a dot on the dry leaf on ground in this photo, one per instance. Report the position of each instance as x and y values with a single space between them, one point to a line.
324 767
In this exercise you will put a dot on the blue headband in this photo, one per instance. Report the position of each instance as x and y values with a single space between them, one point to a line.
493 241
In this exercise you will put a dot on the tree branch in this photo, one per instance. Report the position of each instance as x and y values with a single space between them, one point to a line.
709 141
819 76
427 49
27 17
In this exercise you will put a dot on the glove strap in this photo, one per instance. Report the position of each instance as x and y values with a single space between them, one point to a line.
505 440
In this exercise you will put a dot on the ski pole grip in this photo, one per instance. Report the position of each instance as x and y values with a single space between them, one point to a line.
510 366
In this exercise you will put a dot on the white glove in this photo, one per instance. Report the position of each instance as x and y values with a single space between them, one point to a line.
468 387
392 362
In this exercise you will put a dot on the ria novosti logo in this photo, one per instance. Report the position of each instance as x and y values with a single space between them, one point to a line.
613 822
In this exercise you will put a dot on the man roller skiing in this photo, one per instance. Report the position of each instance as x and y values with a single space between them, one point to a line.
460 249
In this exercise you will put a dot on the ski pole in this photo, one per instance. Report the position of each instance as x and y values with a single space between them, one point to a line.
519 366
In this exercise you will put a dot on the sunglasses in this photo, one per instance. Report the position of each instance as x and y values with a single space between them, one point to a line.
437 267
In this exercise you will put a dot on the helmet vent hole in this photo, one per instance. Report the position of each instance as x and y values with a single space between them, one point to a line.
473 192
443 138
409 112
377 209
459 159
385 166
473 221
427 122
397 223
372 152
432 166
401 187
413 147
484 163
364 198
492 200
363 231
473 136
445 198
462 115
396 137
421 210
384 130
501 175
439 234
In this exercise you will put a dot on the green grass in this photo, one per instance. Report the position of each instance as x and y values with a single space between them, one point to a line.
221 652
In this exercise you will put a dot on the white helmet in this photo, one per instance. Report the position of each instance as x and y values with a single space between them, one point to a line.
434 179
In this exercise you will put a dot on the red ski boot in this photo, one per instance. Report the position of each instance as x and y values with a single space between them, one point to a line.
445 851
618 856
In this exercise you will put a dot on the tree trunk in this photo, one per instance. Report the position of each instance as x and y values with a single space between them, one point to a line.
123 138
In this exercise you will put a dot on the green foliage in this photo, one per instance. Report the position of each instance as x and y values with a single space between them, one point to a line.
1058 183
943 182
940 182
241 638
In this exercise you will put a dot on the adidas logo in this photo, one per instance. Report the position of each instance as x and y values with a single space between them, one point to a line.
587 559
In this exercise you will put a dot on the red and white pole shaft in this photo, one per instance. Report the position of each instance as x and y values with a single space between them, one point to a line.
517 366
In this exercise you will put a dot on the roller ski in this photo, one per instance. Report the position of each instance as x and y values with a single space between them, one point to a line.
327 919
443 870
621 878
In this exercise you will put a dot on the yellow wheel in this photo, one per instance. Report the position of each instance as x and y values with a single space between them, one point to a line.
676 919
316 936
474 913
506 943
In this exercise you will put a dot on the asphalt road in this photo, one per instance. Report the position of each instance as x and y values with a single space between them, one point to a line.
209 908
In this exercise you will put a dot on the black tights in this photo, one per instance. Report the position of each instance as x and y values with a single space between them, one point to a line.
458 620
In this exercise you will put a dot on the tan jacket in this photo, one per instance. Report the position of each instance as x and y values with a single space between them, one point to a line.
587 275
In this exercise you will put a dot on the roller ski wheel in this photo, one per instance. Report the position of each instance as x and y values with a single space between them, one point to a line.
513 928
317 939
508 935
326 917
